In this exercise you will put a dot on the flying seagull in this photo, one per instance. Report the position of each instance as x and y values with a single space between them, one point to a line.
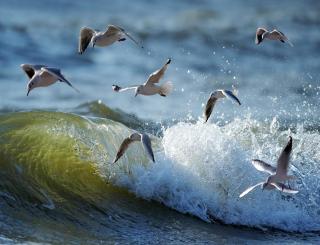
150 87
43 76
145 140
214 96
102 39
262 34
277 175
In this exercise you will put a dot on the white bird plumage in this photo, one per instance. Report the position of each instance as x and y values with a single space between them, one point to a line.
112 34
214 96
150 87
277 175
262 34
143 138
43 76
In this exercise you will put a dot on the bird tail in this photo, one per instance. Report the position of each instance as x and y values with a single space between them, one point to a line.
166 88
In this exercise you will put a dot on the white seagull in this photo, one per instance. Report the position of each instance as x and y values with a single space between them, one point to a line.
214 96
262 34
145 140
43 76
150 87
277 175
102 39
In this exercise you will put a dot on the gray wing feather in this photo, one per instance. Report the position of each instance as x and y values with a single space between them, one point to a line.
230 95
146 142
283 161
209 107
31 69
85 37
263 166
122 149
113 29
250 189
57 73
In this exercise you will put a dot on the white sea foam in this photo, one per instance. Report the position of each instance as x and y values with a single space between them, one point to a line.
203 168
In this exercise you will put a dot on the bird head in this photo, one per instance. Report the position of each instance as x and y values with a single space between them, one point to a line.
31 85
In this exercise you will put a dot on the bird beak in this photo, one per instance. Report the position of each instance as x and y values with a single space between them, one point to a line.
136 94
93 45
28 91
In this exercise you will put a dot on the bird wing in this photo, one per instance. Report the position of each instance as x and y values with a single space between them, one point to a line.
209 107
85 37
57 73
250 189
230 95
282 187
123 147
117 88
283 160
259 33
146 142
30 70
263 166
113 29
158 74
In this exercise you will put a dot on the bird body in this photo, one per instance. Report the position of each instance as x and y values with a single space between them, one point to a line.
143 138
102 39
277 175
262 34
43 76
150 87
215 96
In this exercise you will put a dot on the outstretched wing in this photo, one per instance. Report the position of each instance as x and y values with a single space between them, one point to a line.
283 161
117 88
85 37
230 95
280 36
122 149
30 69
57 73
282 187
158 74
259 33
113 29
209 107
146 142
263 166
250 189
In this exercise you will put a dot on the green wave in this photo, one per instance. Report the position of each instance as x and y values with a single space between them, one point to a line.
47 158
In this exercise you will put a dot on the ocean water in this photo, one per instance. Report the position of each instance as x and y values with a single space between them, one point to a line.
57 184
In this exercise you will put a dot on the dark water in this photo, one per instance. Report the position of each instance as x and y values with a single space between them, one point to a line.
57 185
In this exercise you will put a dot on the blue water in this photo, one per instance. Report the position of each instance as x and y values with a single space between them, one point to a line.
211 44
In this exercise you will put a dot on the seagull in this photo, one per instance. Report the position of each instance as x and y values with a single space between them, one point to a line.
214 96
150 87
262 34
145 140
277 175
43 76
102 39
